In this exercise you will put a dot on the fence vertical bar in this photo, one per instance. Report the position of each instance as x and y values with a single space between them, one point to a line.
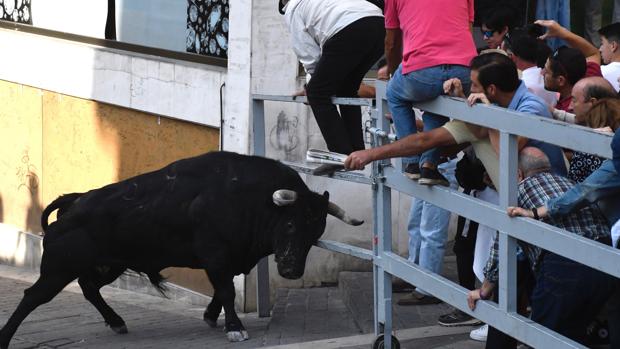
507 245
262 268
384 225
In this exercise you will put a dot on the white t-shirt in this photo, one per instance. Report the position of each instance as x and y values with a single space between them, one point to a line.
534 82
611 72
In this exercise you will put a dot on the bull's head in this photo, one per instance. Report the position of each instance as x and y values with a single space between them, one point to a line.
302 225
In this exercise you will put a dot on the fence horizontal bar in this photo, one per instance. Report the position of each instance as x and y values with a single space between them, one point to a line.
531 126
519 327
580 249
347 249
303 99
344 176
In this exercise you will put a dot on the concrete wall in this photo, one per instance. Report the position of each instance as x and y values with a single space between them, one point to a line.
76 117
290 130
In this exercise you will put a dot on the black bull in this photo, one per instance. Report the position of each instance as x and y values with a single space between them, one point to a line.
220 212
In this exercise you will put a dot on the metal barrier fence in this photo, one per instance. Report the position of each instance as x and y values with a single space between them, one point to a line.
384 178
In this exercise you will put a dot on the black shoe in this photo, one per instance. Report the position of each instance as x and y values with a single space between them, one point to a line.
327 169
458 318
413 171
432 177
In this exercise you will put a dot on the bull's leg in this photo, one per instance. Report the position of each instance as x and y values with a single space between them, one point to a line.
43 291
91 283
213 311
225 291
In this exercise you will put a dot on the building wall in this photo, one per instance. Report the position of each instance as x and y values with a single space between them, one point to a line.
52 144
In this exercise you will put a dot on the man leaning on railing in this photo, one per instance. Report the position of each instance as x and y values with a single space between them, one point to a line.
567 295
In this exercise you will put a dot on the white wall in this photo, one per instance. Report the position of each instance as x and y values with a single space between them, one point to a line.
71 16
177 89
274 71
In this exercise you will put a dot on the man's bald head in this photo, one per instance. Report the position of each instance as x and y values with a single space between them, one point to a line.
532 160
587 91
596 87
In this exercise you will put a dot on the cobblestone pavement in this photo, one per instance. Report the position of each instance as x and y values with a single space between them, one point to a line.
315 316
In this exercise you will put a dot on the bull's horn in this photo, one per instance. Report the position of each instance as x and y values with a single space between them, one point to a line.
339 213
284 197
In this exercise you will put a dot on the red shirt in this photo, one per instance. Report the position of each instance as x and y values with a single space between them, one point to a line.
435 32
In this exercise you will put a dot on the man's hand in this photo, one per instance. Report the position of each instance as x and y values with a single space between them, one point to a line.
472 297
358 159
382 73
477 97
519 212
453 87
554 30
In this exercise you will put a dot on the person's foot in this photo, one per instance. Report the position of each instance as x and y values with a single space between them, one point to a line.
416 298
327 169
458 318
429 176
412 171
480 334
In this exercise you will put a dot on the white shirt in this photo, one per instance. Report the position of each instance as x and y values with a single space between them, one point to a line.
485 236
313 22
535 83
611 72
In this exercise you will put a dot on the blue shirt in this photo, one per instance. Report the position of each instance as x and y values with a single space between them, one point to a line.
526 102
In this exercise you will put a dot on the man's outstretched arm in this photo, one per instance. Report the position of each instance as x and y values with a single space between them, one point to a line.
411 145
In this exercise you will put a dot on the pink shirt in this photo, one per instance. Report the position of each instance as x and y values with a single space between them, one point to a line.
435 32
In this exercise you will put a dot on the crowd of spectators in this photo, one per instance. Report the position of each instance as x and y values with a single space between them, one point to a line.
540 69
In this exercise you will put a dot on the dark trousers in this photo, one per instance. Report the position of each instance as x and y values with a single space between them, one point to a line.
464 247
569 295
525 282
345 58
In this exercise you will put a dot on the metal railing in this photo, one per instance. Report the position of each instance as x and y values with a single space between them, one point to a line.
385 178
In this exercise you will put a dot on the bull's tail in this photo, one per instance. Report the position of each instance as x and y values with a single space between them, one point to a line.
61 204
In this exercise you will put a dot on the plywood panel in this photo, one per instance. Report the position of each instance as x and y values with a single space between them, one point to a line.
20 156
52 144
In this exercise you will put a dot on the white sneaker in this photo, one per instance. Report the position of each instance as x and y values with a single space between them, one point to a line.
480 334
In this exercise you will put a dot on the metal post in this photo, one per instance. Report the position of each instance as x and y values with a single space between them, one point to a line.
383 206
507 245
263 303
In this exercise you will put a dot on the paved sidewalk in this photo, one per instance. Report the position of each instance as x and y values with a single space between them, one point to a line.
302 318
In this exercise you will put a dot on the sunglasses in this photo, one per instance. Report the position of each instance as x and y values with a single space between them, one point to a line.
487 33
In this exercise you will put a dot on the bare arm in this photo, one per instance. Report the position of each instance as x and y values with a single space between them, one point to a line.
393 49
554 30
411 145
494 138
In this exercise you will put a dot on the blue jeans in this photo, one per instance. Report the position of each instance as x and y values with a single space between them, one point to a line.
601 188
418 86
568 295
559 11
428 227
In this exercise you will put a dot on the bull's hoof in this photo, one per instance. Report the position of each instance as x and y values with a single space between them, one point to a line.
120 329
211 323
237 336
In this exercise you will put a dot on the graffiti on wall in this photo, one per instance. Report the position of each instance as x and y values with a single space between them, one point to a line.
16 11
207 27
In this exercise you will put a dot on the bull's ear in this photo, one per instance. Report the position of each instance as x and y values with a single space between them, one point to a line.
326 195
